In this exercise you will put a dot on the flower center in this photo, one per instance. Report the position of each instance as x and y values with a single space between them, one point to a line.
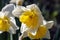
30 18
4 23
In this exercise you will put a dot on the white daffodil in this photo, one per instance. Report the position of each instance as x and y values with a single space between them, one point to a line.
7 21
33 24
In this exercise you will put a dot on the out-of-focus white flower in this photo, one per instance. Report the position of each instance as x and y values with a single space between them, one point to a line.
12 1
7 21
33 23
18 2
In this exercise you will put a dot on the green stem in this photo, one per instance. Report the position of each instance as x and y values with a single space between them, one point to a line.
11 37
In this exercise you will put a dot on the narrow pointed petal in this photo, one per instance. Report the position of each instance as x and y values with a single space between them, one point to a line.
49 24
47 35
13 23
44 22
23 28
12 30
13 27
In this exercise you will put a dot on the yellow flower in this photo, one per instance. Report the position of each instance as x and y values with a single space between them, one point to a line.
41 32
4 24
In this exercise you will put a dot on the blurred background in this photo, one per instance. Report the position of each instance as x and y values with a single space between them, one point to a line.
50 10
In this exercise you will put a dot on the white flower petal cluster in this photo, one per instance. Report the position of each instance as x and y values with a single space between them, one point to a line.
7 11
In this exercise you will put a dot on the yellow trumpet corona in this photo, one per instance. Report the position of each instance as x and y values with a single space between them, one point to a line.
4 24
29 18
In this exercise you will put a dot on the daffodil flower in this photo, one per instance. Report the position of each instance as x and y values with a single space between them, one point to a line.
7 21
33 24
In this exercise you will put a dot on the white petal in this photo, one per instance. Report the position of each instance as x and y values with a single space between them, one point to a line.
12 30
47 35
18 11
12 1
21 37
25 34
49 24
6 13
17 1
1 14
34 31
13 27
1 32
13 23
23 28
8 8
34 6
44 22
